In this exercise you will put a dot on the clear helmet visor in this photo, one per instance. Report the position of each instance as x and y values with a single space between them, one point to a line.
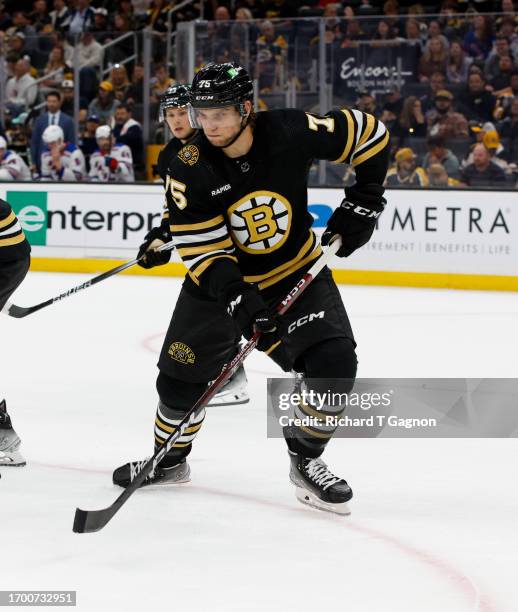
216 118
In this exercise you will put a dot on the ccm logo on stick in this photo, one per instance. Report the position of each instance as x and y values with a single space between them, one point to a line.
305 319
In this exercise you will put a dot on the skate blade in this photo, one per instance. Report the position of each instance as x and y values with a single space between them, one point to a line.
229 399
309 499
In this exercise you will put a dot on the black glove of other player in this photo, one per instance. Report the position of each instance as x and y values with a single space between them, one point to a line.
355 218
153 239
246 306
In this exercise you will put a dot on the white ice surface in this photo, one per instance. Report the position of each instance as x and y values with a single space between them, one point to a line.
434 524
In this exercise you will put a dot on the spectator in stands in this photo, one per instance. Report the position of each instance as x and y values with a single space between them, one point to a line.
21 90
129 132
443 121
160 82
433 60
104 104
411 122
434 31
385 35
20 23
508 128
67 97
39 17
271 54
135 90
507 29
501 48
483 172
479 40
12 166
119 80
438 153
366 103
458 63
89 52
101 27
88 143
53 116
82 17
156 16
502 79
438 177
56 68
60 16
111 162
476 102
436 83
491 140
222 13
413 34
60 161
17 46
406 171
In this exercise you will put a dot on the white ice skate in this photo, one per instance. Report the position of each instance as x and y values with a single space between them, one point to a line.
233 392
9 441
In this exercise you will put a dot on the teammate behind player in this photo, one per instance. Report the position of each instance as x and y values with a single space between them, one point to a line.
112 162
14 264
239 218
12 166
60 160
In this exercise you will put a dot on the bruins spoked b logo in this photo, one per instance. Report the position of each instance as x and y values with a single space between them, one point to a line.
260 222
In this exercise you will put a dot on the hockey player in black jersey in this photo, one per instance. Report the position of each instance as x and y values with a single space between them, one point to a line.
14 265
173 110
238 214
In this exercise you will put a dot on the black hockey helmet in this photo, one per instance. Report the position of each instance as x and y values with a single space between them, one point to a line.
221 85
176 96
227 84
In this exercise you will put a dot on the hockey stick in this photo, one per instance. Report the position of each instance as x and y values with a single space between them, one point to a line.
19 312
88 521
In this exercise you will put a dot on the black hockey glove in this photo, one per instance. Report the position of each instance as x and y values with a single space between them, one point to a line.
153 239
355 218
246 306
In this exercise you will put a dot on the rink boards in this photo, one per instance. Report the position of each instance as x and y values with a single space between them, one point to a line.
425 238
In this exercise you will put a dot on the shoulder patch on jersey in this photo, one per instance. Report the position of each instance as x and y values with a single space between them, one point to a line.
189 154
182 353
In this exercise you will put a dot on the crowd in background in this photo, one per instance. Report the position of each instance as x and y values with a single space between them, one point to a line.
455 125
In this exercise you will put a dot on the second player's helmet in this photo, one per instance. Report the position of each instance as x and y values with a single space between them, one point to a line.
176 96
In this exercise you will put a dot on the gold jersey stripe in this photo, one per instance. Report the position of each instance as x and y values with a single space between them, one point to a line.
194 274
9 219
4 242
369 127
194 227
306 247
316 434
268 283
350 137
372 151
207 248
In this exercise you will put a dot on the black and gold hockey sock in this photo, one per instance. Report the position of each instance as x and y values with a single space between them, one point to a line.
167 419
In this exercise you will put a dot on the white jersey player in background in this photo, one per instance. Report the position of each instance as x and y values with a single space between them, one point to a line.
61 161
112 162
12 166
